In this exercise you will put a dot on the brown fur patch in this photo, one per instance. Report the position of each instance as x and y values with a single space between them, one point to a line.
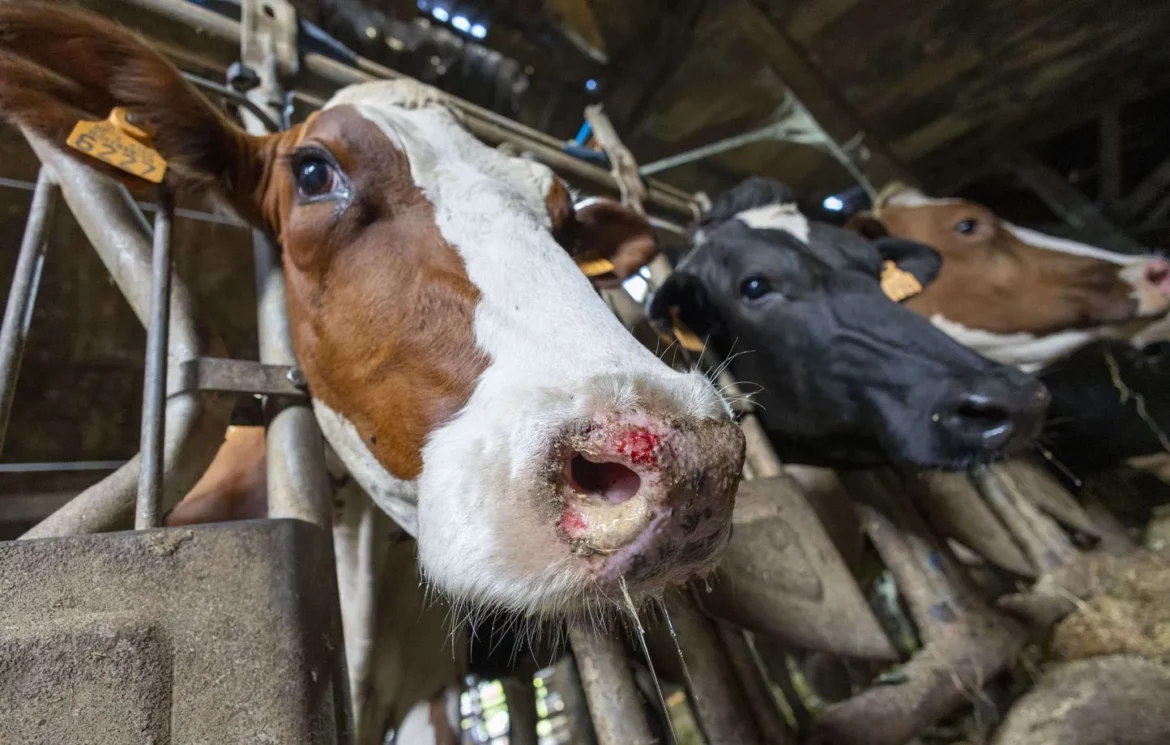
991 280
381 307
234 487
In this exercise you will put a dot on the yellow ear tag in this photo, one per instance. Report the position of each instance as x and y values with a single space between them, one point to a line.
686 338
595 267
899 284
119 143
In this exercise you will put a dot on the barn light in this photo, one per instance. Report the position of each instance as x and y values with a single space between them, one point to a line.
590 85
423 4
479 30
461 23
440 13
833 203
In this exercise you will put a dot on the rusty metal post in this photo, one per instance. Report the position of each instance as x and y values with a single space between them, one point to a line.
154 388
23 293
614 704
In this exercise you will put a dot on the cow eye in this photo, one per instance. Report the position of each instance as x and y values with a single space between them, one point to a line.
754 288
316 175
967 227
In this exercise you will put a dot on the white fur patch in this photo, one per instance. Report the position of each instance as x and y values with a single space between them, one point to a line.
1065 246
1022 350
397 497
913 198
557 356
786 217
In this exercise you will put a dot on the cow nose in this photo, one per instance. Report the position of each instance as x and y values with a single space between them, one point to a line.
996 414
1158 273
651 497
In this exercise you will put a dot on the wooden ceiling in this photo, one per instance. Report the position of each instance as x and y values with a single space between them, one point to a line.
939 88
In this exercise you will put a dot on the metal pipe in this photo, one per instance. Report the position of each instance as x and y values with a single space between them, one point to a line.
480 121
298 485
610 691
195 424
22 296
154 387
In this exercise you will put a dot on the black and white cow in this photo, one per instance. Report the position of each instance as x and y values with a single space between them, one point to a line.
850 378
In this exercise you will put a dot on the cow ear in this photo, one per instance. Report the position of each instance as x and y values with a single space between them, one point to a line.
608 241
910 256
620 240
681 311
60 66
866 225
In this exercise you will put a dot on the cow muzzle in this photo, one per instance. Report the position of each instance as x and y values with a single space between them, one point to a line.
647 500
1149 281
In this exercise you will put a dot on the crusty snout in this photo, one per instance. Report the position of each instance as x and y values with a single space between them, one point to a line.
648 499
1149 281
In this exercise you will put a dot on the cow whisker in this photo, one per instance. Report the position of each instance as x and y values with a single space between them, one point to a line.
646 653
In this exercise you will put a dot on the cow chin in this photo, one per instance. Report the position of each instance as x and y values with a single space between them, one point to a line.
555 501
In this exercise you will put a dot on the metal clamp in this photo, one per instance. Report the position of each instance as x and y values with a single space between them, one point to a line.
217 375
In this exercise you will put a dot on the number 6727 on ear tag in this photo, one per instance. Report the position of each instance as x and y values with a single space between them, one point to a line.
116 142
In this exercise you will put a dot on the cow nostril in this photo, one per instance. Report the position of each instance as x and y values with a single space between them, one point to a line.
612 482
1157 272
983 412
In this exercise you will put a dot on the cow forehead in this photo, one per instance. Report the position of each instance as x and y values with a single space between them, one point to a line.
415 119
777 216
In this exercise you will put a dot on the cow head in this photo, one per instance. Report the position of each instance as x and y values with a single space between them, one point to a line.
460 364
1016 295
850 378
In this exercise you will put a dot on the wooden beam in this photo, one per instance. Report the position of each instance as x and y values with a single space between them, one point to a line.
1109 155
577 21
1146 192
823 100
1072 206
647 66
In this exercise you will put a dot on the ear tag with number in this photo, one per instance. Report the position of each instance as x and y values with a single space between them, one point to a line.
899 284
119 143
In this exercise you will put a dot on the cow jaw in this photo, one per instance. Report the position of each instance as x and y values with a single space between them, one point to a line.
499 518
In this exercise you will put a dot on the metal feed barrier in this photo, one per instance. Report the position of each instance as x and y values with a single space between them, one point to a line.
164 632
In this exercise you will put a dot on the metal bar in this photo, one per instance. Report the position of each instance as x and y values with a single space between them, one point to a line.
239 377
235 97
154 395
297 483
482 122
195 423
610 691
62 467
23 294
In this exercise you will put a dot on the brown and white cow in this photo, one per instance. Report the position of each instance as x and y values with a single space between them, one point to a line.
1016 295
462 368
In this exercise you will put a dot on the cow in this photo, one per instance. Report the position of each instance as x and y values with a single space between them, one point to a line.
850 378
1075 314
461 367
1013 294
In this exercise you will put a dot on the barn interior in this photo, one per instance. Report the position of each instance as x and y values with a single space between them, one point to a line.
1049 113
